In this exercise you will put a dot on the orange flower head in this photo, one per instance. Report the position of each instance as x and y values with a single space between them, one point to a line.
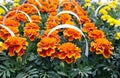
31 26
65 17
4 34
95 34
32 34
20 17
50 25
88 27
35 18
47 47
101 46
72 34
1 19
12 23
68 52
53 34
15 45
32 31
84 19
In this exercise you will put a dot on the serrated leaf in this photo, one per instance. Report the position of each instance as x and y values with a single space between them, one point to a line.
8 73
62 73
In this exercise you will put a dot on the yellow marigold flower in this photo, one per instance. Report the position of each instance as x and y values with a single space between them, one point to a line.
107 8
15 45
1 47
16 1
87 1
102 46
87 4
103 11
68 52
16 4
105 17
112 21
2 11
47 47
117 35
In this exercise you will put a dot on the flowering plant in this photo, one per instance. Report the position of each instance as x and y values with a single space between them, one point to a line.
52 39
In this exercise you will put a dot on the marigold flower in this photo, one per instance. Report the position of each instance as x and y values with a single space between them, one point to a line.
2 11
47 47
65 17
15 45
68 52
72 34
12 23
28 9
88 27
31 30
1 47
1 19
102 46
20 17
4 34
84 19
117 36
95 34
35 18
53 34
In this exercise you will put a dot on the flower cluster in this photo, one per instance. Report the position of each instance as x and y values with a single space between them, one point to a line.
25 23
105 14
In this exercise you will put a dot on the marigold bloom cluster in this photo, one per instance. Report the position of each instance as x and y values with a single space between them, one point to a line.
15 45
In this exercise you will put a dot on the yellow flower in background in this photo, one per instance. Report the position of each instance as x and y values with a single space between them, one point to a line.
88 1
107 8
105 17
87 4
3 3
117 36
112 21
103 11
1 47
16 1
16 4
2 11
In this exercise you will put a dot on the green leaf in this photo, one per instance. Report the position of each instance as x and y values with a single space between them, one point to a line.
62 73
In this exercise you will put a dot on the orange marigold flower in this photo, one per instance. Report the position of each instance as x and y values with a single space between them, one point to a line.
1 19
12 23
68 52
84 19
35 18
72 34
32 34
43 9
31 30
102 46
31 26
15 45
88 27
95 34
27 9
47 47
20 17
53 34
4 34
65 17
50 25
